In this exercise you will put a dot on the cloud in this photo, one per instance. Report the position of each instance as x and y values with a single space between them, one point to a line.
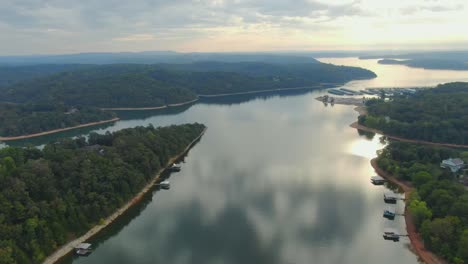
136 37
114 25
410 10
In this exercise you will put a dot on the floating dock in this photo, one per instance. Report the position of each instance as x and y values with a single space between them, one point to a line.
166 185
377 180
174 167
391 198
389 213
83 249
391 234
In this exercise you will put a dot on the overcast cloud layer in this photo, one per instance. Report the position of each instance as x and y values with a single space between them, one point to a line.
60 26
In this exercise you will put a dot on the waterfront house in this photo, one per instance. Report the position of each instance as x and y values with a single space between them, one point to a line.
453 164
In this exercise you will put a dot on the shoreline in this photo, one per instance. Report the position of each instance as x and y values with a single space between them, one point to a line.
58 130
68 247
150 108
262 91
417 244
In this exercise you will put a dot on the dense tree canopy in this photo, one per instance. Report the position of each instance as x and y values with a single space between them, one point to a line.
439 206
42 102
50 196
18 120
436 115
133 85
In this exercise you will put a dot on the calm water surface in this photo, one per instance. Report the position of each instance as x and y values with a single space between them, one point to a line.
274 180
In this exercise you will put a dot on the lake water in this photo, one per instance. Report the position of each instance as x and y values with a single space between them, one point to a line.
275 179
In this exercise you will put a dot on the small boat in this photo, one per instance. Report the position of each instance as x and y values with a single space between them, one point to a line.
165 185
83 249
377 180
389 213
390 198
174 167
391 234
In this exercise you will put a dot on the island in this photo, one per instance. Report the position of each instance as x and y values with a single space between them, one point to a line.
435 64
53 198
88 94
436 60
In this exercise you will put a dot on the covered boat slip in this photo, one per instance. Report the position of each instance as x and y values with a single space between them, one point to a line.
389 213
377 180
83 249
391 198
391 234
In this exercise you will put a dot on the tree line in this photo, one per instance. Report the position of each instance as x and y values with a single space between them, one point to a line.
50 196
439 204
138 85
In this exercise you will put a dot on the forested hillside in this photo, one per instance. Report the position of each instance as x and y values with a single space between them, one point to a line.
41 104
436 115
25 119
50 196
439 206
130 85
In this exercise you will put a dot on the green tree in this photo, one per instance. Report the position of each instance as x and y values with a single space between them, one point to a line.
463 246
421 178
419 212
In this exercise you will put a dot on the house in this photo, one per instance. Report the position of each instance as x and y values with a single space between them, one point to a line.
453 164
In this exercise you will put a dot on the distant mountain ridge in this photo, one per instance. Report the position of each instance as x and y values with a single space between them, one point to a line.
153 57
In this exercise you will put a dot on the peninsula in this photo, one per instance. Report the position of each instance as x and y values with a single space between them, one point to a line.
79 186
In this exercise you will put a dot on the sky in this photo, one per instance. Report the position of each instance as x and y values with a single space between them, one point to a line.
63 26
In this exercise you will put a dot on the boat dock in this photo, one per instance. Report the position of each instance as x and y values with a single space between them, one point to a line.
174 168
377 180
83 249
166 185
392 234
